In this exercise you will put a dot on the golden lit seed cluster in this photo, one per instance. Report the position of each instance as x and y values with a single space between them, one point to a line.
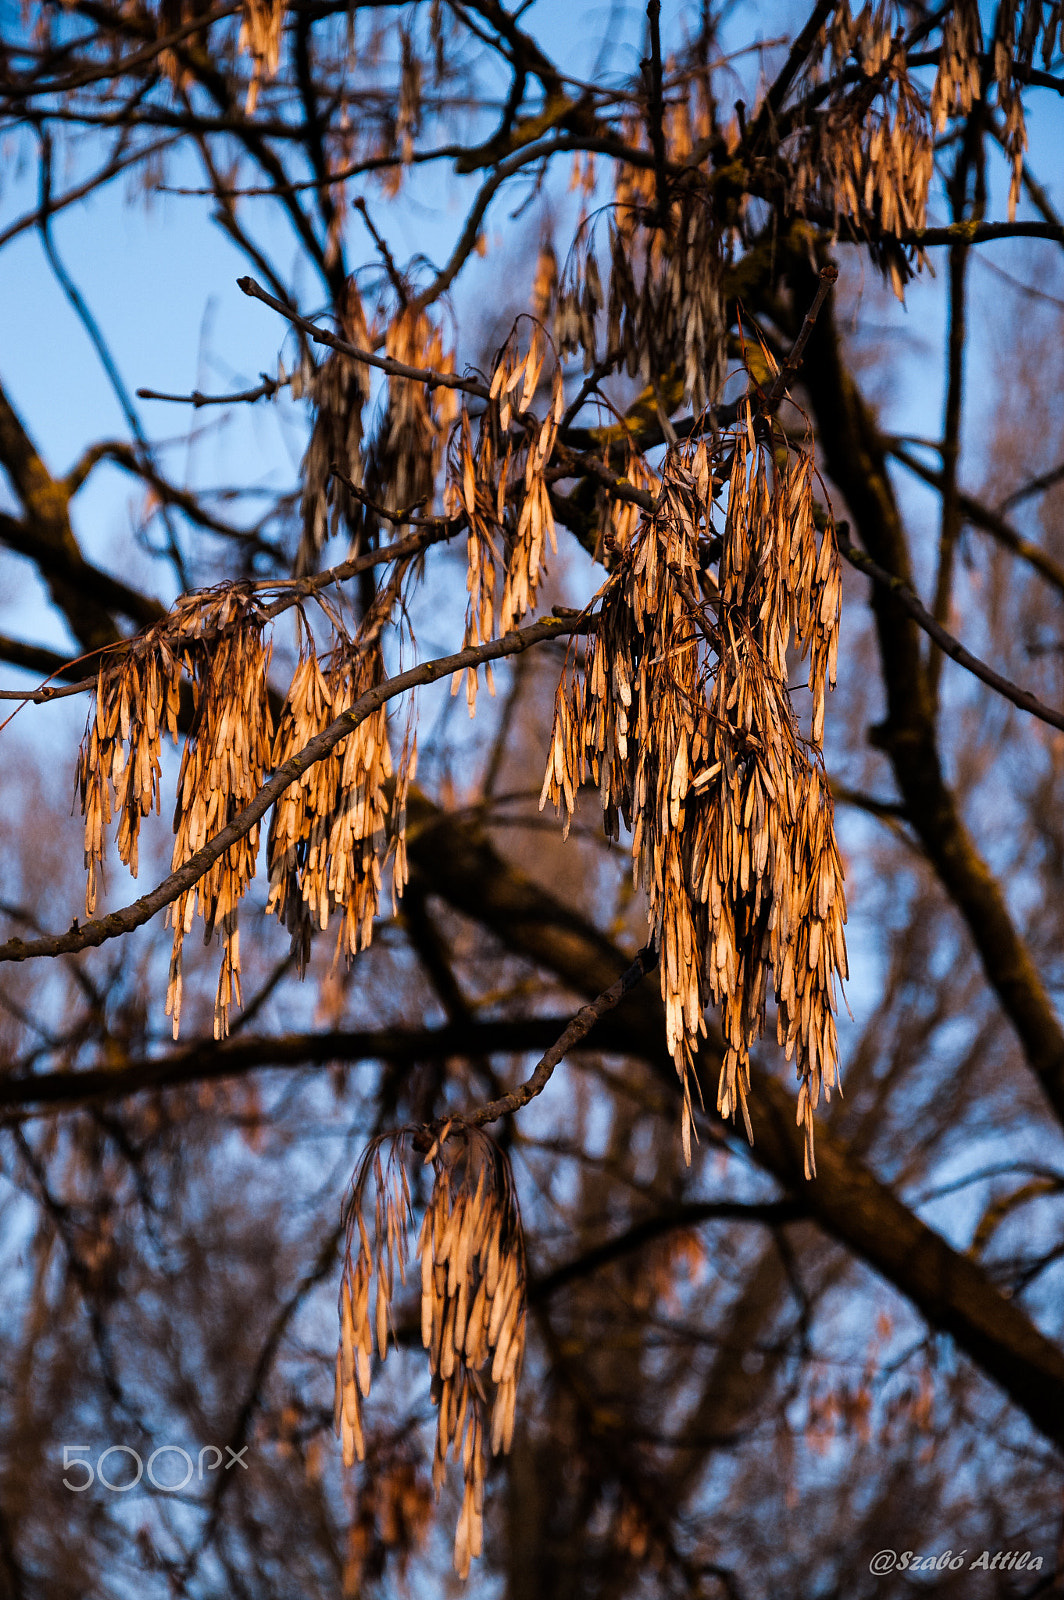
333 832
535 525
683 719
869 158
1018 27
119 754
473 1303
868 153
503 502
328 839
478 484
957 84
261 25
224 763
408 449
339 390
664 305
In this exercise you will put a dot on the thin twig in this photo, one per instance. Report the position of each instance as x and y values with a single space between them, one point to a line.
764 125
829 276
386 256
1045 480
578 1029
945 641
399 518
395 369
981 516
267 388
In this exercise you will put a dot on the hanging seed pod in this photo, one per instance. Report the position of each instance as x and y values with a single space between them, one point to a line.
473 1302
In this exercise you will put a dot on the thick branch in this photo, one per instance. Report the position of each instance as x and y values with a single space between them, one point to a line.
856 459
208 1060
456 861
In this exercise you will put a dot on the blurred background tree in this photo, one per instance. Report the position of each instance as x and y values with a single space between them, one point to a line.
737 1380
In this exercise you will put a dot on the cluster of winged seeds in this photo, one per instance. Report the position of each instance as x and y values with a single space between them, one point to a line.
332 833
409 447
328 840
664 302
223 766
214 643
499 485
682 718
867 152
261 26
473 1294
119 754
339 390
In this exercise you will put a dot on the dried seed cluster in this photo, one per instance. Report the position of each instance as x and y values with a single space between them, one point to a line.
408 450
499 483
261 25
868 154
119 754
328 840
332 834
664 304
339 390
473 1293
869 157
392 1516
223 766
1018 26
536 520
682 718
957 84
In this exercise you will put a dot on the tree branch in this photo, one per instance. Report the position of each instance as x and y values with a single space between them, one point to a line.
911 602
577 1030
982 516
954 1295
142 910
396 369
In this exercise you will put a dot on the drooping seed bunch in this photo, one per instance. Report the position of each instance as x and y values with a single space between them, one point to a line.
869 159
957 82
119 752
473 1294
478 483
332 833
223 765
261 25
408 449
328 840
339 390
682 718
536 520
391 1518
504 504
664 303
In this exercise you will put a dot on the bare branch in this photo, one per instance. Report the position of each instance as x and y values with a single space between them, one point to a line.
578 1029
395 369
912 603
